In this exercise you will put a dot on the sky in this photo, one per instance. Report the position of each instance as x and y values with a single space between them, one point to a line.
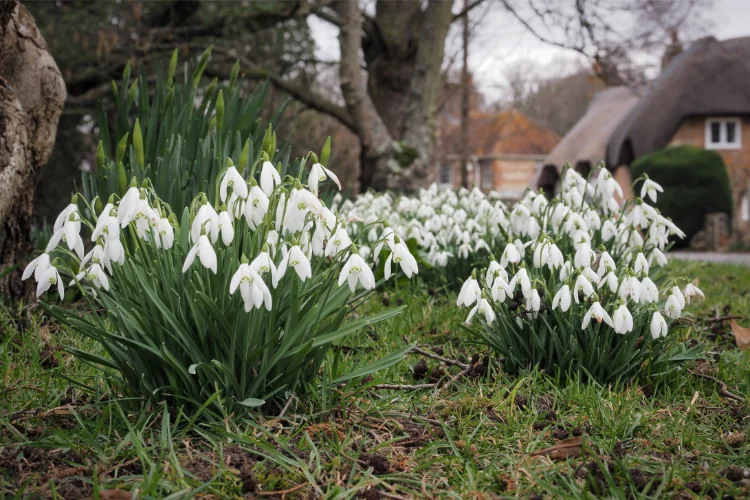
501 41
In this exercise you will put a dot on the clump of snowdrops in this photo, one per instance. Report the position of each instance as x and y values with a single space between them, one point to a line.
453 231
580 289
224 306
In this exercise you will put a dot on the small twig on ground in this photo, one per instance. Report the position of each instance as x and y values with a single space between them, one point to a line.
723 389
390 495
412 417
709 321
286 406
282 492
404 387
447 361
460 374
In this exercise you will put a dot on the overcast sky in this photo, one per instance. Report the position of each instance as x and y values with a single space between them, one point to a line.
500 40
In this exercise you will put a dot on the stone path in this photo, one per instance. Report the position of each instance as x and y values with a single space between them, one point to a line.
740 258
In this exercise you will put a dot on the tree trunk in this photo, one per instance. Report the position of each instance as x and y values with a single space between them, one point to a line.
32 94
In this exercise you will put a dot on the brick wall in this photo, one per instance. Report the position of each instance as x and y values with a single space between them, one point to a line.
692 132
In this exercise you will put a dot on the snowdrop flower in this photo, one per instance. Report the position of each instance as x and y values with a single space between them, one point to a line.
562 299
649 189
301 203
641 264
610 280
658 326
649 292
225 227
464 250
499 288
678 295
67 228
165 234
263 264
672 308
609 230
256 207
204 251
565 270
533 302
470 292
584 256
97 255
691 291
318 173
482 307
269 177
606 264
400 255
494 270
106 225
115 251
95 275
510 255
207 219
622 320
253 290
48 278
597 312
338 242
657 257
636 218
296 259
522 278
630 287
584 285
356 269
127 203
233 179
37 267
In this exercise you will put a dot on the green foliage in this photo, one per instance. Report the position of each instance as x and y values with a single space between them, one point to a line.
695 183
177 133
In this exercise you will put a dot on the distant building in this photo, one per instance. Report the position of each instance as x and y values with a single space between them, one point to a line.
702 98
507 148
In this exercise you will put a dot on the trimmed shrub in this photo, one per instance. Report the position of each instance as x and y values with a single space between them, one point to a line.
695 183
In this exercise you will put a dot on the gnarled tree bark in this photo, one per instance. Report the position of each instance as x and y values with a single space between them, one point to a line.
32 95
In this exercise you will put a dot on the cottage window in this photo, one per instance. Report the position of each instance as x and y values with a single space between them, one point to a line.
723 133
486 176
446 173
745 207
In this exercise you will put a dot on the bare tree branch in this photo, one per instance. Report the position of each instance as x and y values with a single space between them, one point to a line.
469 8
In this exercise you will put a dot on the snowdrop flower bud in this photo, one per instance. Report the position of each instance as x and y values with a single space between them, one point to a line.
356 269
202 249
225 226
469 293
584 256
318 173
510 255
533 302
206 220
48 278
649 292
606 264
269 177
597 312
658 326
562 299
672 308
622 319
233 179
649 189
641 264
609 230
610 280
522 278
37 267
584 285
165 234
678 295
127 203
691 291
483 307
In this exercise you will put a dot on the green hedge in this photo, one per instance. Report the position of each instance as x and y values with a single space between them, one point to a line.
695 183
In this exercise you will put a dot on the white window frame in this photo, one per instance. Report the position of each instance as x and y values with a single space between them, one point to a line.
449 167
723 144
745 207
486 182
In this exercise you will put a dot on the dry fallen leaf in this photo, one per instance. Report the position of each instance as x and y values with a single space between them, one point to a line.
567 448
741 335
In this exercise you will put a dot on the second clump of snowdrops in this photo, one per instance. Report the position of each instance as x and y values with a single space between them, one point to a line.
587 293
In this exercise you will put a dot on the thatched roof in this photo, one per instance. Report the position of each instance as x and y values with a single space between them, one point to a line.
710 78
586 142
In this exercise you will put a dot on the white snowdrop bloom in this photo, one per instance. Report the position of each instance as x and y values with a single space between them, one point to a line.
356 269
225 228
541 254
510 255
559 213
236 206
441 258
692 291
593 221
610 279
94 275
48 278
115 251
622 320
678 295
71 238
582 284
658 326
636 218
481 245
562 299
338 242
400 255
606 264
106 227
672 308
565 270
584 256
499 290
97 255
272 240
64 218
609 230
641 264
470 292
142 215
522 278
365 251
318 173
482 307
207 219
519 218
650 188
533 301
253 290
649 291
494 270
165 234
263 264
269 177
673 229
532 228
204 251
630 287
132 195
590 275
297 260
233 179
301 203
464 251
607 185
657 257
37 267
597 312
256 207
555 258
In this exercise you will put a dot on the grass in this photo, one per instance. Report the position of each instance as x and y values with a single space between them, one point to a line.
472 439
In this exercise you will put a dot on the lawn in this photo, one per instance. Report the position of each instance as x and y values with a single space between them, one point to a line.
474 434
